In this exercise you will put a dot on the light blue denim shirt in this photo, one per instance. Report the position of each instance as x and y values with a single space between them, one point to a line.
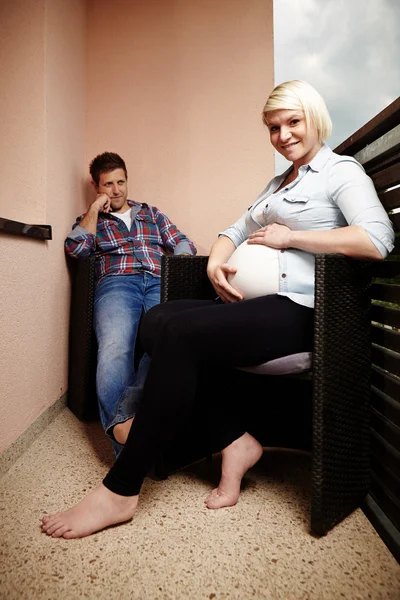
331 191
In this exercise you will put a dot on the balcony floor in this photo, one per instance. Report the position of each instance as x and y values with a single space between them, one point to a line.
175 548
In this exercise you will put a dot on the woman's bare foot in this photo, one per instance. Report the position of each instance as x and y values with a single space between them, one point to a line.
99 509
237 458
121 431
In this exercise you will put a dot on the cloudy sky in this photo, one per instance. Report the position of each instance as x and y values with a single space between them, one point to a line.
349 50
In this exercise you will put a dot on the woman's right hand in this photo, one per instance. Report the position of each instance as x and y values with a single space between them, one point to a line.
218 276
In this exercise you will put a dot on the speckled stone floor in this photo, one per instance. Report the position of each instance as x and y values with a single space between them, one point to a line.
175 548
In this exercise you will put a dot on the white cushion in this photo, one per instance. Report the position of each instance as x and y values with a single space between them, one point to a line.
286 365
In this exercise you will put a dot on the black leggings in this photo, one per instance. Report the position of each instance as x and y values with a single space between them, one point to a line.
181 337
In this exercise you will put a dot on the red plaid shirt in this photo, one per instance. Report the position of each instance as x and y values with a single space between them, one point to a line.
123 252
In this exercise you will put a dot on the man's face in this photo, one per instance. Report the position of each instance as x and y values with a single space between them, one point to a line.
115 185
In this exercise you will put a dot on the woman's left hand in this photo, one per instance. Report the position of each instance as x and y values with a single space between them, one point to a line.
274 236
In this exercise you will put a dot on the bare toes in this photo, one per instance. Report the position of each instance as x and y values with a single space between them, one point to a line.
219 499
210 496
70 534
50 529
60 531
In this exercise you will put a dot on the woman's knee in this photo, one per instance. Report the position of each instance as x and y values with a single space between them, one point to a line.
170 320
151 325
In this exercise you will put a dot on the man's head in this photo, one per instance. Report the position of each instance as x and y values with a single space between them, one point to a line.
109 176
104 163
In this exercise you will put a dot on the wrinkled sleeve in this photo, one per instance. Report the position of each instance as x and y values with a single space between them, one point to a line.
355 195
173 239
238 232
79 243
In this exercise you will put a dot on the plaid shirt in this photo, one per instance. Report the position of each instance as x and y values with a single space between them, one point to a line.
122 252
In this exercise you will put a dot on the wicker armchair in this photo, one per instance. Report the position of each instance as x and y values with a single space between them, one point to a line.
329 414
335 409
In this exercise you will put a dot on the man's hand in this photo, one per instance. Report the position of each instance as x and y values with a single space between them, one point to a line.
274 236
101 204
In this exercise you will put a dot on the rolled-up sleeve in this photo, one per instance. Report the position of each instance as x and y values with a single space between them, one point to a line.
174 240
238 232
355 195
79 242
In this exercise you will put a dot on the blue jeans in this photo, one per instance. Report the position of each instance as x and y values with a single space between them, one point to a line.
119 303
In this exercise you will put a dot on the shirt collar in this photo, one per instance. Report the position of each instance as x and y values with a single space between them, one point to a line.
137 207
320 159
140 204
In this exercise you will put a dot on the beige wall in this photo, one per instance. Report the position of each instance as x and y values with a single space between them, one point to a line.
174 86
177 87
22 110
42 105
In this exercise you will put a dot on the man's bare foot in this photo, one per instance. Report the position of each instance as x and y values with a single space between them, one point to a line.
237 458
121 431
99 509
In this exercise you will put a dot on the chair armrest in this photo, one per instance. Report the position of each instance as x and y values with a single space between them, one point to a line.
185 277
82 341
341 390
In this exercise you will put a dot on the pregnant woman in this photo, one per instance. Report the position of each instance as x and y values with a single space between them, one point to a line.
324 203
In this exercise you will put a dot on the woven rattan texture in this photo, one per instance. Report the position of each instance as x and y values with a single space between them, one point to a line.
82 346
341 377
342 352
185 277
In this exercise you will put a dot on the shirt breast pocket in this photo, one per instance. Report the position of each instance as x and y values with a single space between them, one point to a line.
294 210
145 229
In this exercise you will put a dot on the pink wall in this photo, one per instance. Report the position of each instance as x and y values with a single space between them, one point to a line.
174 86
42 107
177 87
22 109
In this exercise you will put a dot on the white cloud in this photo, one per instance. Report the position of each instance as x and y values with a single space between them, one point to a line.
347 49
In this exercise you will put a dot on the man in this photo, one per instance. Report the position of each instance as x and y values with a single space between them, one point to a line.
127 239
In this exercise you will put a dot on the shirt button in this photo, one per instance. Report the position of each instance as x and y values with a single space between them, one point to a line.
282 251
283 275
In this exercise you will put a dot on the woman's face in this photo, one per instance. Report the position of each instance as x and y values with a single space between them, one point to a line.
291 138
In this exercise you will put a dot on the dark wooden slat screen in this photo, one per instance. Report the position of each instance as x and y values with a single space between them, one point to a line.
388 338
386 178
387 269
395 218
396 245
385 453
385 428
386 359
385 499
386 406
386 316
382 505
389 292
389 479
382 161
385 386
390 199
383 122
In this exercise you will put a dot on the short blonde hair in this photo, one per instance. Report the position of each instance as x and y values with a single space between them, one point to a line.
300 95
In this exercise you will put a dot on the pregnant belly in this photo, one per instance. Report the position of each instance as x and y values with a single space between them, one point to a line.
257 270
